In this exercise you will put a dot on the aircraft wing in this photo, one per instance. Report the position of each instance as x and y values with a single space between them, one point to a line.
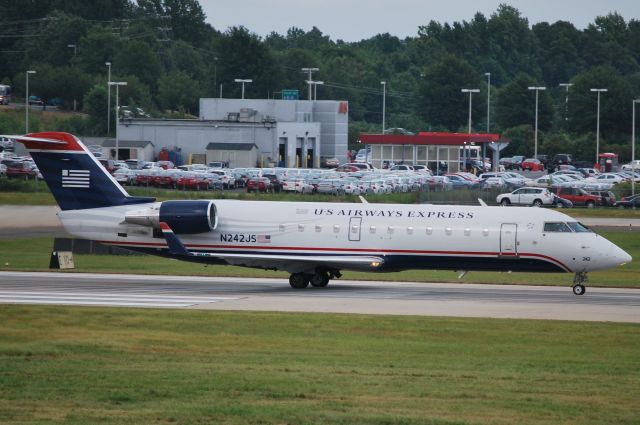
291 263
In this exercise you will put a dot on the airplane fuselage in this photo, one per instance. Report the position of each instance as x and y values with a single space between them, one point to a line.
445 237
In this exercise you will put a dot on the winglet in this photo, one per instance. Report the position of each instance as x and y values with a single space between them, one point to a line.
482 203
175 246
364 201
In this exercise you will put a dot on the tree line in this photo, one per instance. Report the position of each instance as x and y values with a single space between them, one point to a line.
170 58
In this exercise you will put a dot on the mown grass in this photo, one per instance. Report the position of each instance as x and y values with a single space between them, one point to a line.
130 366
32 254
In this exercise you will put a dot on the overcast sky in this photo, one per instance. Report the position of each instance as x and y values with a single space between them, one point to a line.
354 20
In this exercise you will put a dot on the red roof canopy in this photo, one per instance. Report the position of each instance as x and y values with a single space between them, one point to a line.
428 138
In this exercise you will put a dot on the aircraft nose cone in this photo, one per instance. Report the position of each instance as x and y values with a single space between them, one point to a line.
620 256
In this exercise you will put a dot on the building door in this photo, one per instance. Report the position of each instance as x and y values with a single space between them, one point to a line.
355 223
508 239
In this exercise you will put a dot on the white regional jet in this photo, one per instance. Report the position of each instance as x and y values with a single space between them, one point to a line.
314 241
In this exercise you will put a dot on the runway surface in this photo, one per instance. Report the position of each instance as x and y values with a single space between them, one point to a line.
394 298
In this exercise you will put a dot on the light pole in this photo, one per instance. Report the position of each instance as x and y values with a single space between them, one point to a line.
108 98
633 146
471 92
566 99
310 71
315 89
484 145
535 136
598 126
384 103
26 103
75 50
215 72
241 80
117 84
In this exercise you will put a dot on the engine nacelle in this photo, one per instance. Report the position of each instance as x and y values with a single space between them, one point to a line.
184 217
189 217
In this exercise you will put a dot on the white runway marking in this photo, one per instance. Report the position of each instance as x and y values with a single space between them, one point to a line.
105 299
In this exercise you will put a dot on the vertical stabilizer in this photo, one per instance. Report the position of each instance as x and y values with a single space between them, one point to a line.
75 177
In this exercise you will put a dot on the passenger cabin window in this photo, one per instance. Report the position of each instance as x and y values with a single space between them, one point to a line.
557 227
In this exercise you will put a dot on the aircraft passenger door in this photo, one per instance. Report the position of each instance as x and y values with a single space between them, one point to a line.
355 224
508 239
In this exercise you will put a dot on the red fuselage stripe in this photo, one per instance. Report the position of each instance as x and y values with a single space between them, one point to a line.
342 250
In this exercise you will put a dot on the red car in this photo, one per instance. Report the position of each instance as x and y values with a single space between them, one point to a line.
578 196
259 184
166 178
193 181
145 178
21 169
532 164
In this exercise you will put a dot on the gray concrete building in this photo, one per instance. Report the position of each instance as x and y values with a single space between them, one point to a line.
290 133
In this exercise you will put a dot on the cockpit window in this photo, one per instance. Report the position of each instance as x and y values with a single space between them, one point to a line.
578 227
557 227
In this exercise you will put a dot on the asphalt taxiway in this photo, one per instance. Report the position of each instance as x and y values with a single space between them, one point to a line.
356 297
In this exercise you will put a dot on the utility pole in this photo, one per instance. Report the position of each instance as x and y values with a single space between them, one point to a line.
384 103
108 98
309 71
598 126
566 99
535 149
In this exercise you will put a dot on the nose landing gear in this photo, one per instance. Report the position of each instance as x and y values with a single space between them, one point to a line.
578 280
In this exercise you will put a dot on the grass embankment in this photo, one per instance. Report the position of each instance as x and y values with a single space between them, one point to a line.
130 366
33 255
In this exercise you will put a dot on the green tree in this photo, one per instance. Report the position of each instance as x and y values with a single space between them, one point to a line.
615 104
515 104
440 101
177 90
136 58
95 106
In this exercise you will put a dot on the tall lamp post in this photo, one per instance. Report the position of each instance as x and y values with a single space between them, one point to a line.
566 99
471 92
243 81
598 126
310 71
117 84
484 145
315 88
384 103
108 98
26 103
633 145
535 136
74 46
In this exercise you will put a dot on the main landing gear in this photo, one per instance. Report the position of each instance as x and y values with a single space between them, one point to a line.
578 280
319 279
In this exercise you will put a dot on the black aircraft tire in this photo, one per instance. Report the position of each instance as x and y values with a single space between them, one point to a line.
579 289
299 280
319 280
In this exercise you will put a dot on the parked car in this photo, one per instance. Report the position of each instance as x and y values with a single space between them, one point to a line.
608 197
532 164
165 164
561 159
629 202
633 165
3 170
535 196
259 184
493 183
276 182
21 169
329 163
578 196
192 180
561 202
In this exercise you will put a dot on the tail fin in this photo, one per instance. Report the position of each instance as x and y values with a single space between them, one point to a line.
75 177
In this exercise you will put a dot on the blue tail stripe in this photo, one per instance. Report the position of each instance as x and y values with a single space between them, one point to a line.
78 181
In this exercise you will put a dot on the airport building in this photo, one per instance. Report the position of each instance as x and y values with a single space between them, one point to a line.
289 133
438 151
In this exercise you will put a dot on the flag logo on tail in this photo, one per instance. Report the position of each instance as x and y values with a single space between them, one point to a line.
76 178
